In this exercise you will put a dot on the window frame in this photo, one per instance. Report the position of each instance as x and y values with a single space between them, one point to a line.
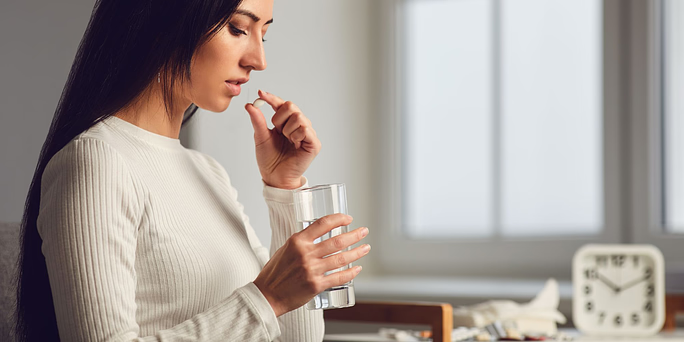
645 133
398 254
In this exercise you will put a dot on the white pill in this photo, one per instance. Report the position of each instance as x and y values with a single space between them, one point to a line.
258 103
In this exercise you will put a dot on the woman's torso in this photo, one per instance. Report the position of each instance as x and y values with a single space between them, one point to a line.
192 247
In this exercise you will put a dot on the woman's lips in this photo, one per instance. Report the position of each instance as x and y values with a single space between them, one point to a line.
234 88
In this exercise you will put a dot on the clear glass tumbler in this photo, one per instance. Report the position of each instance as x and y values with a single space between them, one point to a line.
312 204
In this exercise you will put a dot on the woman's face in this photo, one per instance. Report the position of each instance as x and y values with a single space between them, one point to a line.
230 56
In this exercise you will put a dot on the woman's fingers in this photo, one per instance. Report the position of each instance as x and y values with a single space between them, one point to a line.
289 114
295 120
340 242
290 121
274 101
283 109
339 278
324 225
306 136
300 268
261 132
297 129
298 136
342 259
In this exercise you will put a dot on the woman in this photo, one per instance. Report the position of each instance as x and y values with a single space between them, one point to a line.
127 235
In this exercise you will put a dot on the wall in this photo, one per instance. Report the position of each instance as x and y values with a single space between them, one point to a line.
39 41
319 56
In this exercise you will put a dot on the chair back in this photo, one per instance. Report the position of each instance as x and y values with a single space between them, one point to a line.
9 251
439 316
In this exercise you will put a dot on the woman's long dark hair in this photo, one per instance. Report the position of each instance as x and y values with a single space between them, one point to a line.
125 45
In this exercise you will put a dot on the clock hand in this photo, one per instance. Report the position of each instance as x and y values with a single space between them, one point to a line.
634 282
608 282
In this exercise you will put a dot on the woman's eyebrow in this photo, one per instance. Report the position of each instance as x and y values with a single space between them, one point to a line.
252 15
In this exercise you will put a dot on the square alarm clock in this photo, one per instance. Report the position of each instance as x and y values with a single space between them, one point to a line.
618 290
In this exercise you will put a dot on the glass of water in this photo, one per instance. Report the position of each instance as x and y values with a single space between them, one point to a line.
312 204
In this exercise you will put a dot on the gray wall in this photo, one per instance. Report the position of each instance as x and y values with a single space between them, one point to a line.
39 41
319 55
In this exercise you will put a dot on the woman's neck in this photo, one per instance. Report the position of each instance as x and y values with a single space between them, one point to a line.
150 114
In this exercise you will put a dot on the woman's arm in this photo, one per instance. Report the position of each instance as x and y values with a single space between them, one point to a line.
88 220
300 324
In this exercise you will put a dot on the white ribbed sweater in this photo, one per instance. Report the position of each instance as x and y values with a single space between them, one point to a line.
145 240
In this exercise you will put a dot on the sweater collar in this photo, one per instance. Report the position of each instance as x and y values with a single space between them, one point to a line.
143 134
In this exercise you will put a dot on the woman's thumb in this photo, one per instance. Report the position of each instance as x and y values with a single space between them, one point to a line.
261 132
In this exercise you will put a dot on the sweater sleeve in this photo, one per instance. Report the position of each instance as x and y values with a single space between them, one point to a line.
302 324
90 208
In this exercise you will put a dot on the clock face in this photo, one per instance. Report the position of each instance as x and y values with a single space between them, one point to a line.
618 291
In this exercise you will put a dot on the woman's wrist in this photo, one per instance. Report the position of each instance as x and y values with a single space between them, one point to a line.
286 184
277 309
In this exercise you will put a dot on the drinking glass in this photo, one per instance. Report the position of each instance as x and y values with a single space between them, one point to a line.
311 204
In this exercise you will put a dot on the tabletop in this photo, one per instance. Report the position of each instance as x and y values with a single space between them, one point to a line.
674 336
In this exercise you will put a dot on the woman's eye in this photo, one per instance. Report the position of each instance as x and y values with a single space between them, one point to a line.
236 31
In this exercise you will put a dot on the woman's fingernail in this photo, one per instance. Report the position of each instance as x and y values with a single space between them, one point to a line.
357 269
364 232
366 248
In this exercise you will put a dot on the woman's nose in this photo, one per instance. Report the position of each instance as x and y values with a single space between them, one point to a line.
255 57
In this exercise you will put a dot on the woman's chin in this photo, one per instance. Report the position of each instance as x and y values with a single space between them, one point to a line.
218 107
226 103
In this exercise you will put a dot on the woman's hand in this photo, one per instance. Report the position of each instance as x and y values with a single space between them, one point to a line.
286 151
296 272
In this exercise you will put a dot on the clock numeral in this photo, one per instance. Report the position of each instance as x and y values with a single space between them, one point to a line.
636 260
635 319
648 307
591 273
587 289
650 290
602 316
618 260
601 260
648 272
590 306
618 320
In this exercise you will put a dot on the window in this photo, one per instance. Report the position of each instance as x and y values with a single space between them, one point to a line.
502 118
673 114
512 135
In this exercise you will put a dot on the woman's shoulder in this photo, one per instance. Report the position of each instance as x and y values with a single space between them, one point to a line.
98 140
98 150
101 144
85 153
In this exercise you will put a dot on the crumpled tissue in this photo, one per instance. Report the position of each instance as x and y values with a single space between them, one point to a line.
539 316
